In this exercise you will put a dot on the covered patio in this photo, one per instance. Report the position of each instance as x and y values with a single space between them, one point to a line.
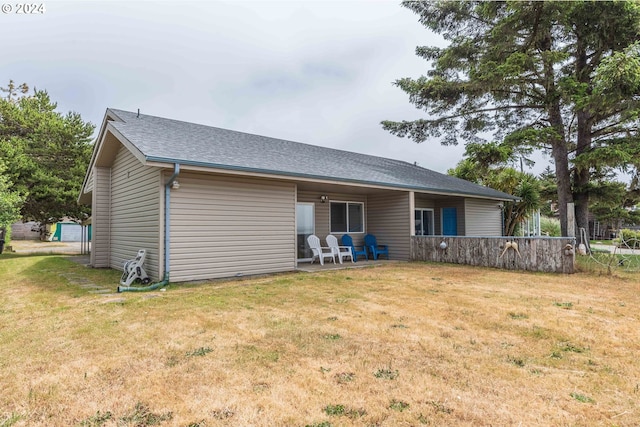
393 216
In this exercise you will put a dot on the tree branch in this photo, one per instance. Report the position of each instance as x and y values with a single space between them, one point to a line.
488 110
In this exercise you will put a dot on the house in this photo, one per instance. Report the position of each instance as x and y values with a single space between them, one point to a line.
65 231
206 202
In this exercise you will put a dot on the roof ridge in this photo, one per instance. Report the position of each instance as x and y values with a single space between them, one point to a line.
338 150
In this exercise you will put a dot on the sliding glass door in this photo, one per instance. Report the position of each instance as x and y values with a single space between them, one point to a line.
424 222
305 226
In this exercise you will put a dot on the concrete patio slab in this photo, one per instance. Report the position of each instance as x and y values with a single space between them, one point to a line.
315 267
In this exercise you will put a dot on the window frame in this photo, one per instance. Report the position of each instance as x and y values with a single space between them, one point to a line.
347 203
431 223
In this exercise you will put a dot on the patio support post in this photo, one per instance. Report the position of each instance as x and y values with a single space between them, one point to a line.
412 215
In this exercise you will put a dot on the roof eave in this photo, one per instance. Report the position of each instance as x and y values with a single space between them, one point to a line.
94 154
329 179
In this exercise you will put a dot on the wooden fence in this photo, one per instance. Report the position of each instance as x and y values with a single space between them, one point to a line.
548 254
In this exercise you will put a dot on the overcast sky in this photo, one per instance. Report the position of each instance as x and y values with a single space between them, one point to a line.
318 72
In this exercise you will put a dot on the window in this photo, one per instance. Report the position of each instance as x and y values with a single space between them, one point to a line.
347 217
424 222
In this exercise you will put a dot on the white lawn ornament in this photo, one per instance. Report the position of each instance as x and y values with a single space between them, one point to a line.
582 249
511 245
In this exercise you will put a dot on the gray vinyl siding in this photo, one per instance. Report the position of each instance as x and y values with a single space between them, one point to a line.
422 203
89 185
389 219
322 212
100 217
225 226
135 212
483 218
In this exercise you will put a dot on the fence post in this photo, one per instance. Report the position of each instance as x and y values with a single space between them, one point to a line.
571 220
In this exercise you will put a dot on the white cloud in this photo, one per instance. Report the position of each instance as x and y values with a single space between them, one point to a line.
319 72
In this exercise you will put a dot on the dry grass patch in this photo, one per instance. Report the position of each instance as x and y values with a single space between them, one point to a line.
403 344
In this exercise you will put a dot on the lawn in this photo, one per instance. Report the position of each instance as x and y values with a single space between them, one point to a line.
396 345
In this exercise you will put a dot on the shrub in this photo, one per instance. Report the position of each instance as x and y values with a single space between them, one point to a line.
628 238
549 227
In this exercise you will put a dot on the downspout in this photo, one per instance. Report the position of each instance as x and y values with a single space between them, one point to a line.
167 229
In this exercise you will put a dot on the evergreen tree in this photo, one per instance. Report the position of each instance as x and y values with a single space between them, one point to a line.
10 201
46 154
489 164
562 77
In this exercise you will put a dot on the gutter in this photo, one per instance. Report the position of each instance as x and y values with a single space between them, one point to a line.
333 180
167 240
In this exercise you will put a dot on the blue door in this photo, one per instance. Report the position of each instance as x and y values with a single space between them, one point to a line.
449 222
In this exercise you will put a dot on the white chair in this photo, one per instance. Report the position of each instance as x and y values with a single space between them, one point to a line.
341 252
318 251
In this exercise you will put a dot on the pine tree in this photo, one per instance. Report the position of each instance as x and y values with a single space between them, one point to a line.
561 77
46 154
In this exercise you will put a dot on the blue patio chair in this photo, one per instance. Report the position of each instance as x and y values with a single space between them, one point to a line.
348 241
371 245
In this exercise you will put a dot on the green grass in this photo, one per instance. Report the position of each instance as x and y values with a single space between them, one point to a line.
52 272
202 351
97 420
9 420
625 266
601 242
335 410
340 410
565 305
581 398
398 405
139 416
386 373
320 424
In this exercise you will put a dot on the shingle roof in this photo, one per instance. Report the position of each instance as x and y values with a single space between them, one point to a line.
166 140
